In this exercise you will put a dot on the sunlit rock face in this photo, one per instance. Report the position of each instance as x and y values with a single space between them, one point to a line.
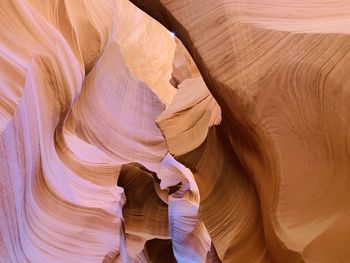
218 134
280 72
86 174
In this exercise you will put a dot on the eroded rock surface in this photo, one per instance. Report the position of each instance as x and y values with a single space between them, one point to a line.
279 71
117 146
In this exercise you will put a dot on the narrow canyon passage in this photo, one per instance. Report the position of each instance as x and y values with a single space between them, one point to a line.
85 120
174 131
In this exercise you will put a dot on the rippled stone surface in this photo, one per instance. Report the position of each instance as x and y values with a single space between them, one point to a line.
117 146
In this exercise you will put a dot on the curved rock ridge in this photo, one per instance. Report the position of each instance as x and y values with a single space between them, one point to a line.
186 120
85 25
48 213
230 215
222 139
193 109
64 138
190 238
278 70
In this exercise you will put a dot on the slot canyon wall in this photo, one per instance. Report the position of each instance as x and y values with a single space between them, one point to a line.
174 131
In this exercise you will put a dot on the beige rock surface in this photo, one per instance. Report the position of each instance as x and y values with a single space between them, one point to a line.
279 71
64 137
117 146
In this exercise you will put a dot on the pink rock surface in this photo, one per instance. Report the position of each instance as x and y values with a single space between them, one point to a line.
77 111
120 143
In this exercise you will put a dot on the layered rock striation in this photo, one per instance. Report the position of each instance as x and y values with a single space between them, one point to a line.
223 138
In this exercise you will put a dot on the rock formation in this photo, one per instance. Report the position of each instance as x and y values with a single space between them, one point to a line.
216 131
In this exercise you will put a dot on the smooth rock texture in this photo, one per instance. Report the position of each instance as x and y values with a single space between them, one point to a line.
80 149
216 131
279 71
